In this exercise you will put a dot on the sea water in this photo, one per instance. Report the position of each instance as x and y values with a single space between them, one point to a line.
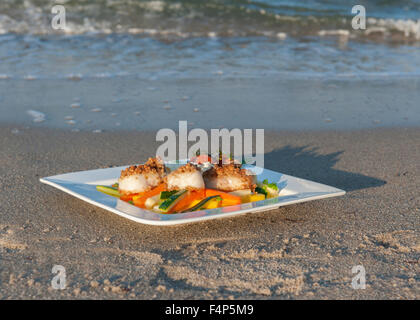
130 64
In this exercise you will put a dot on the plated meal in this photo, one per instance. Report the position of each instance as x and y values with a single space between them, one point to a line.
187 191
199 184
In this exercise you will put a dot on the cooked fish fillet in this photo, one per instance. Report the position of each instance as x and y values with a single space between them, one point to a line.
229 177
141 178
187 177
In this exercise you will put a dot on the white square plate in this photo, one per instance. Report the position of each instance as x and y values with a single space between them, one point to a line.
83 184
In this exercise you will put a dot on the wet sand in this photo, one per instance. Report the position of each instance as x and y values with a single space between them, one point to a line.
285 103
303 251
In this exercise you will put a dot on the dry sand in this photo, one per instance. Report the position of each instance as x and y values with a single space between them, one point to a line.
303 251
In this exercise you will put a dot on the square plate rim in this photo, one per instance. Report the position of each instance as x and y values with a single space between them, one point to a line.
264 205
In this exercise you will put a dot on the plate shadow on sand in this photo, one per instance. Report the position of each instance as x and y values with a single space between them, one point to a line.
305 162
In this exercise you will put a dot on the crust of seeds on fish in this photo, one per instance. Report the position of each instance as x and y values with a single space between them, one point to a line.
230 170
153 165
158 164
189 167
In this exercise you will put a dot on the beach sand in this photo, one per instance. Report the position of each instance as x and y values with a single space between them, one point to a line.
303 251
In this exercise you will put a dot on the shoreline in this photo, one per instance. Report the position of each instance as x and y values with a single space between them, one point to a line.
273 104
303 251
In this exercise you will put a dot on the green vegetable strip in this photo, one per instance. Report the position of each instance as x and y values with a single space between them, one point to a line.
261 190
166 194
271 185
108 190
199 205
166 205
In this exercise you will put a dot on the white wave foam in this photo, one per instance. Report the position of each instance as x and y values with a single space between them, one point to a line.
37 116
157 6
35 22
371 30
339 32
410 28
281 35
30 77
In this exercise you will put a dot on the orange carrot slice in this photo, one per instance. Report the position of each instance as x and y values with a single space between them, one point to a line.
128 197
186 202
227 198
140 202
